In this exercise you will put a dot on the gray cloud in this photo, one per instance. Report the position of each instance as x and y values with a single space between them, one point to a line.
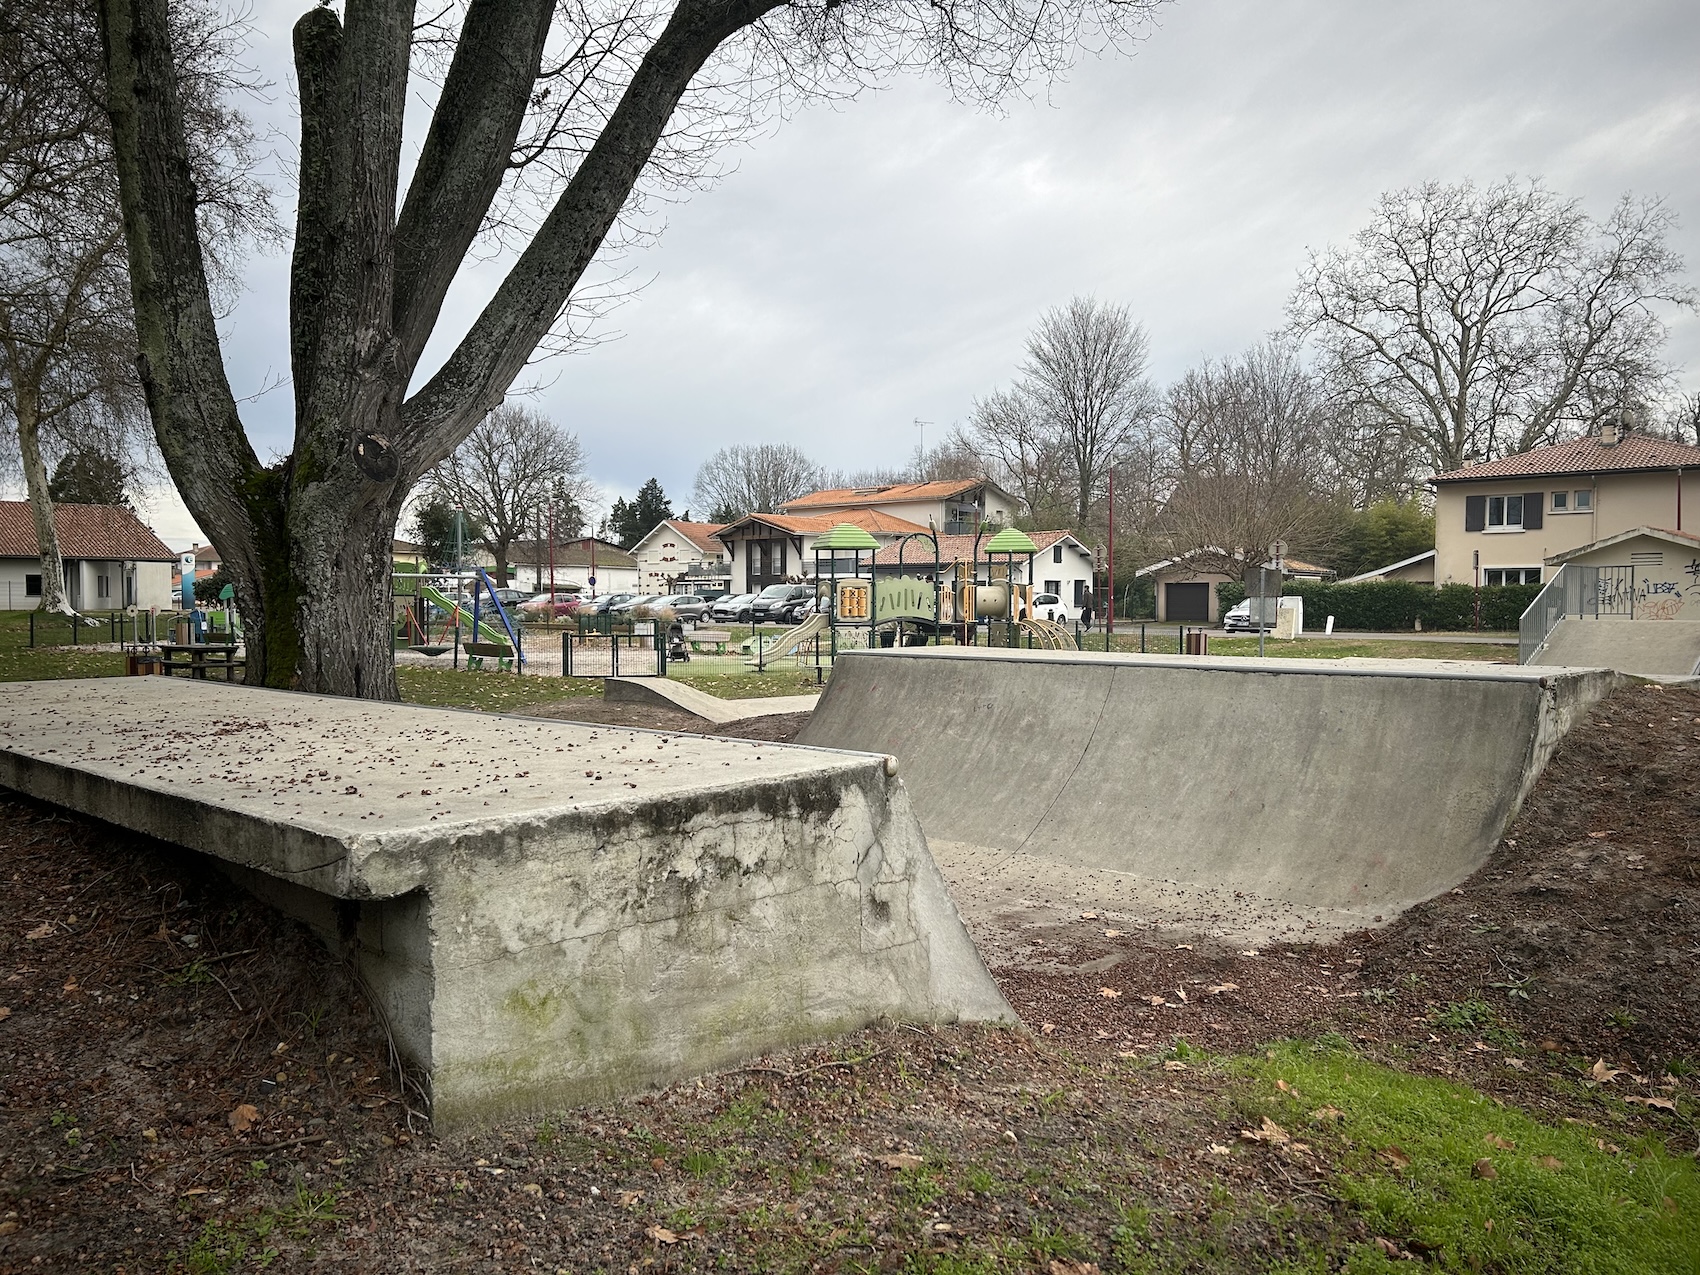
882 260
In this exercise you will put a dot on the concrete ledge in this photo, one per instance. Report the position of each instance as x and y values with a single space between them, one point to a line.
548 913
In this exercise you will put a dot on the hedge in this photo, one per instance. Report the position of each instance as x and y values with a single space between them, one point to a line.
1397 605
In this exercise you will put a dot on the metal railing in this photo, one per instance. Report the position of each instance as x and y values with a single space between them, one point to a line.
1574 591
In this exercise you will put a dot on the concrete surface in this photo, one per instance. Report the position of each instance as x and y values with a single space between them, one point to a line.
546 913
1643 647
663 692
1243 798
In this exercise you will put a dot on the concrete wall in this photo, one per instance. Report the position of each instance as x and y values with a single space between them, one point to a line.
546 913
1621 502
1360 787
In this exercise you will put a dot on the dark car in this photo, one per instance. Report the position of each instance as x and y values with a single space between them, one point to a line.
794 612
774 602
608 601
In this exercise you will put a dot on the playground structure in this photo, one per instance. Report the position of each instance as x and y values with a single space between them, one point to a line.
1249 797
501 641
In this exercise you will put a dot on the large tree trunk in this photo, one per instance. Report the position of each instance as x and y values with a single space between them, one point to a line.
27 407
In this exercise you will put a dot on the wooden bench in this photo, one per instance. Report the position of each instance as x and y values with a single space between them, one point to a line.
478 652
718 638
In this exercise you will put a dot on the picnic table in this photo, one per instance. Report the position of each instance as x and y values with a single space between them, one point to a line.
718 638
196 658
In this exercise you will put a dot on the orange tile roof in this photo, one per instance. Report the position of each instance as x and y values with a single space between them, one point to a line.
1586 455
108 532
890 494
961 548
869 520
700 534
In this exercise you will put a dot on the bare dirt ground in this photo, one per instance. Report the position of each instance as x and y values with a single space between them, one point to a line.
188 1083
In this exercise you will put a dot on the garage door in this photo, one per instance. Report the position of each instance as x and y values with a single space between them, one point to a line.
1186 603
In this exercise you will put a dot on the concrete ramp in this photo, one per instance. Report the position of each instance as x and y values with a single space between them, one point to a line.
546 913
664 692
1646 648
1242 797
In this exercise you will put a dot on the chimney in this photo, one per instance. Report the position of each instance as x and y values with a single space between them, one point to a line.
1607 433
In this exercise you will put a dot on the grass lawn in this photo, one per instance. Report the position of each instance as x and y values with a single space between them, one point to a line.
487 689
1373 648
18 663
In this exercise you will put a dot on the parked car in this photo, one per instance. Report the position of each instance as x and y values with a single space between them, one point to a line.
795 612
510 597
686 606
1237 619
608 601
773 602
734 608
557 603
1050 606
632 603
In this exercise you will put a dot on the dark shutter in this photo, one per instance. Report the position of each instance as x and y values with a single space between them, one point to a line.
1475 513
1533 503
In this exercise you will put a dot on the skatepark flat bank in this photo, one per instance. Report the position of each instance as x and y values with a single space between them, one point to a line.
545 913
1249 799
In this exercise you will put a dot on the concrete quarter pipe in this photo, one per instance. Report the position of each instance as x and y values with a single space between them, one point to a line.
1645 648
1244 797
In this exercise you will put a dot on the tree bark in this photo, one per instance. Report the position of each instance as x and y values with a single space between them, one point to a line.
26 404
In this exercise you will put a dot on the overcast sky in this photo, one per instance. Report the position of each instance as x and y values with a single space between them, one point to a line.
881 260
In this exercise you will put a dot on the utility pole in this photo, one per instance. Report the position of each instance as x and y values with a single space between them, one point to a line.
551 559
922 465
1110 602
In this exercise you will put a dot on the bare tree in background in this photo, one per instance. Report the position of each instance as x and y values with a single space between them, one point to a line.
1081 400
753 479
1481 322
550 118
507 471
67 329
1247 439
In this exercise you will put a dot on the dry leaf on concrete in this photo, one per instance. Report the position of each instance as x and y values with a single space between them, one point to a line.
242 1119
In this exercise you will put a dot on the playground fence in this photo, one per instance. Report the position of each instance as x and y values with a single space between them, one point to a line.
633 653
53 628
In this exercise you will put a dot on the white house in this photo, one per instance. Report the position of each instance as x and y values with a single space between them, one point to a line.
677 556
111 559
766 549
959 506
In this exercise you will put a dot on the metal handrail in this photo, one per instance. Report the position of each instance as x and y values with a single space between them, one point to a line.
1573 591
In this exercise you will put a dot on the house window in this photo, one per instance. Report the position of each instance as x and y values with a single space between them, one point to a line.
32 586
1512 575
1584 500
1560 502
102 586
1056 555
1505 512
1052 586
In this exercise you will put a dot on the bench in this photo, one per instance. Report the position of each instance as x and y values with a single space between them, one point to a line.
478 652
717 638
195 658
620 909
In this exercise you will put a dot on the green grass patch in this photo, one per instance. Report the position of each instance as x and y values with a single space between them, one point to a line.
487 689
1547 1199
788 680
19 663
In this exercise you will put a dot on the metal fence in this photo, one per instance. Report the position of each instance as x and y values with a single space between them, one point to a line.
614 654
1584 592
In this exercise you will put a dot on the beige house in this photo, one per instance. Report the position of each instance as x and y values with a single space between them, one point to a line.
676 549
1500 522
1647 573
955 507
1417 569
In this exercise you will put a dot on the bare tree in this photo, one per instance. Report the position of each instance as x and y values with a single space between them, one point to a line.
1082 399
1246 438
67 331
1481 322
507 471
568 108
751 479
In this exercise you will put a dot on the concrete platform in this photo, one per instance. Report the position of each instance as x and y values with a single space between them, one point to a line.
1645 648
663 692
547 913
1248 799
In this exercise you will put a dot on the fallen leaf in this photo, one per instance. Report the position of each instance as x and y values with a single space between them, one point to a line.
661 1235
42 931
532 1188
1504 1144
1153 1000
1284 1087
1663 1104
1088 916
1328 1113
1060 1267
1181 992
1046 1029
1126 1053
242 1118
1223 987
1252 952
1268 1131
628 1198
1599 1071
1395 1155
658 1164
1549 1162
1517 1063
1387 1246
5 1013
1484 1169
1114 934
901 1160
1174 1064
1183 947
198 1190
1597 835
1216 1148
1108 993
